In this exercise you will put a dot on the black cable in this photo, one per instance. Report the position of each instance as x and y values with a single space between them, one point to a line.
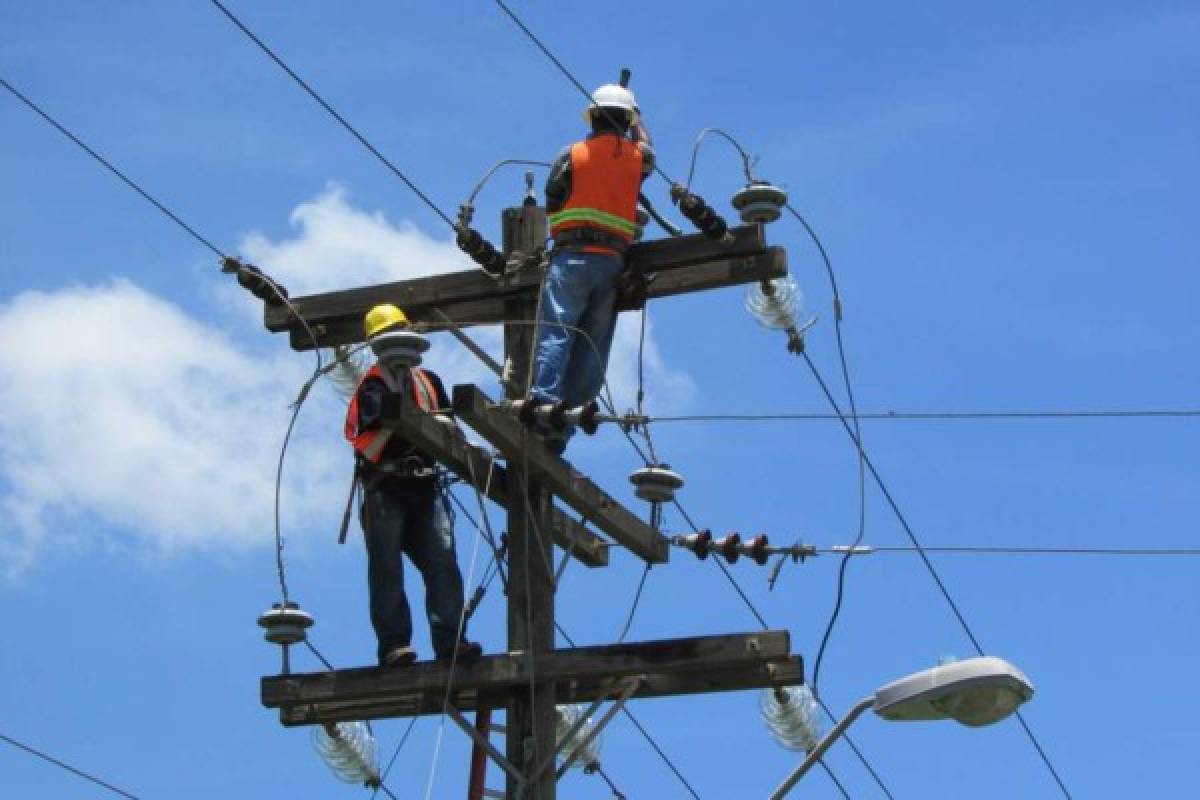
746 160
128 182
1073 551
561 68
318 654
925 559
637 598
750 605
235 266
863 759
645 733
496 167
938 415
63 765
862 479
333 113
395 753
612 787
834 778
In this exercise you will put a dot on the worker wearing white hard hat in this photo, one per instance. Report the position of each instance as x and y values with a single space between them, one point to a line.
592 198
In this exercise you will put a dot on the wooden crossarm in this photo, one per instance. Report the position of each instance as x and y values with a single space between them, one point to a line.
502 429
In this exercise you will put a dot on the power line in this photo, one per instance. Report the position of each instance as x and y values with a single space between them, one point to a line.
230 264
1136 413
121 175
925 559
63 765
333 113
1003 550
562 68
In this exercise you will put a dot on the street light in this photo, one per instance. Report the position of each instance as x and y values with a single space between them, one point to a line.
975 692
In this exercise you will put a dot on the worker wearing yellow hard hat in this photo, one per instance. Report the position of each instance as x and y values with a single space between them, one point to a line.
403 509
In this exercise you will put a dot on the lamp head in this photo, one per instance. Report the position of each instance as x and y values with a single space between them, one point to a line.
975 692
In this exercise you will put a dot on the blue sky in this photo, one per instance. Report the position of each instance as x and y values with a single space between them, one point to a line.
1008 195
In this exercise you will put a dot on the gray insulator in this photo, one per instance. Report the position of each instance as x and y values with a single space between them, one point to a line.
792 716
655 484
760 202
775 308
346 372
399 350
285 624
349 750
588 758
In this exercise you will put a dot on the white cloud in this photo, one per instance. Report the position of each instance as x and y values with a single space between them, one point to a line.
116 408
121 413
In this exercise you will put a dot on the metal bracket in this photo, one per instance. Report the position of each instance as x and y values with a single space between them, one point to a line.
482 740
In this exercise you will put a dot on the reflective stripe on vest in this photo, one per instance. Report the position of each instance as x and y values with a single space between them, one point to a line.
371 443
606 175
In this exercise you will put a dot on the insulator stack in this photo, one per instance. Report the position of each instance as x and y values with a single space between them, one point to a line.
699 543
792 716
587 757
701 214
756 549
730 547
253 280
348 748
481 251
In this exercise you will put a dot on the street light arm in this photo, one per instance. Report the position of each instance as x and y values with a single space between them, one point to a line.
815 754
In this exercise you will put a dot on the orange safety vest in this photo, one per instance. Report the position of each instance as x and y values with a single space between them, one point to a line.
370 443
606 176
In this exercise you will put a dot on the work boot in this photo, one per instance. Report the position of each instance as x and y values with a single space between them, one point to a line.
402 656
463 653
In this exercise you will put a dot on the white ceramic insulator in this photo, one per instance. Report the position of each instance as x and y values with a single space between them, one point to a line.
776 310
589 755
346 373
794 718
351 754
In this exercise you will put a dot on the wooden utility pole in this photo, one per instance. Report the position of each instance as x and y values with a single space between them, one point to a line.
533 677
532 717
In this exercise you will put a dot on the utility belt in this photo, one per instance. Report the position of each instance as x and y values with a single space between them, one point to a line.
406 467
577 237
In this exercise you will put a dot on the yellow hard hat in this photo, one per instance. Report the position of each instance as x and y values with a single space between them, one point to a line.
382 317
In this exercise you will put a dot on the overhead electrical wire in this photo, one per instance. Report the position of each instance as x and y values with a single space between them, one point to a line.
1182 413
334 113
33 751
230 264
919 549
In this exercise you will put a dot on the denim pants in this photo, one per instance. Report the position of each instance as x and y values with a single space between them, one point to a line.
412 521
579 292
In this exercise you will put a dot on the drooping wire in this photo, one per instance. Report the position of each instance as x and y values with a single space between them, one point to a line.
762 621
920 550
862 479
747 161
63 765
333 113
495 168
637 597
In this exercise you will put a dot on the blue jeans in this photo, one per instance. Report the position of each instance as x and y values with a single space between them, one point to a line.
579 292
414 522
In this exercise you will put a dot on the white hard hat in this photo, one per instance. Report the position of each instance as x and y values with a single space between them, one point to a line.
613 96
